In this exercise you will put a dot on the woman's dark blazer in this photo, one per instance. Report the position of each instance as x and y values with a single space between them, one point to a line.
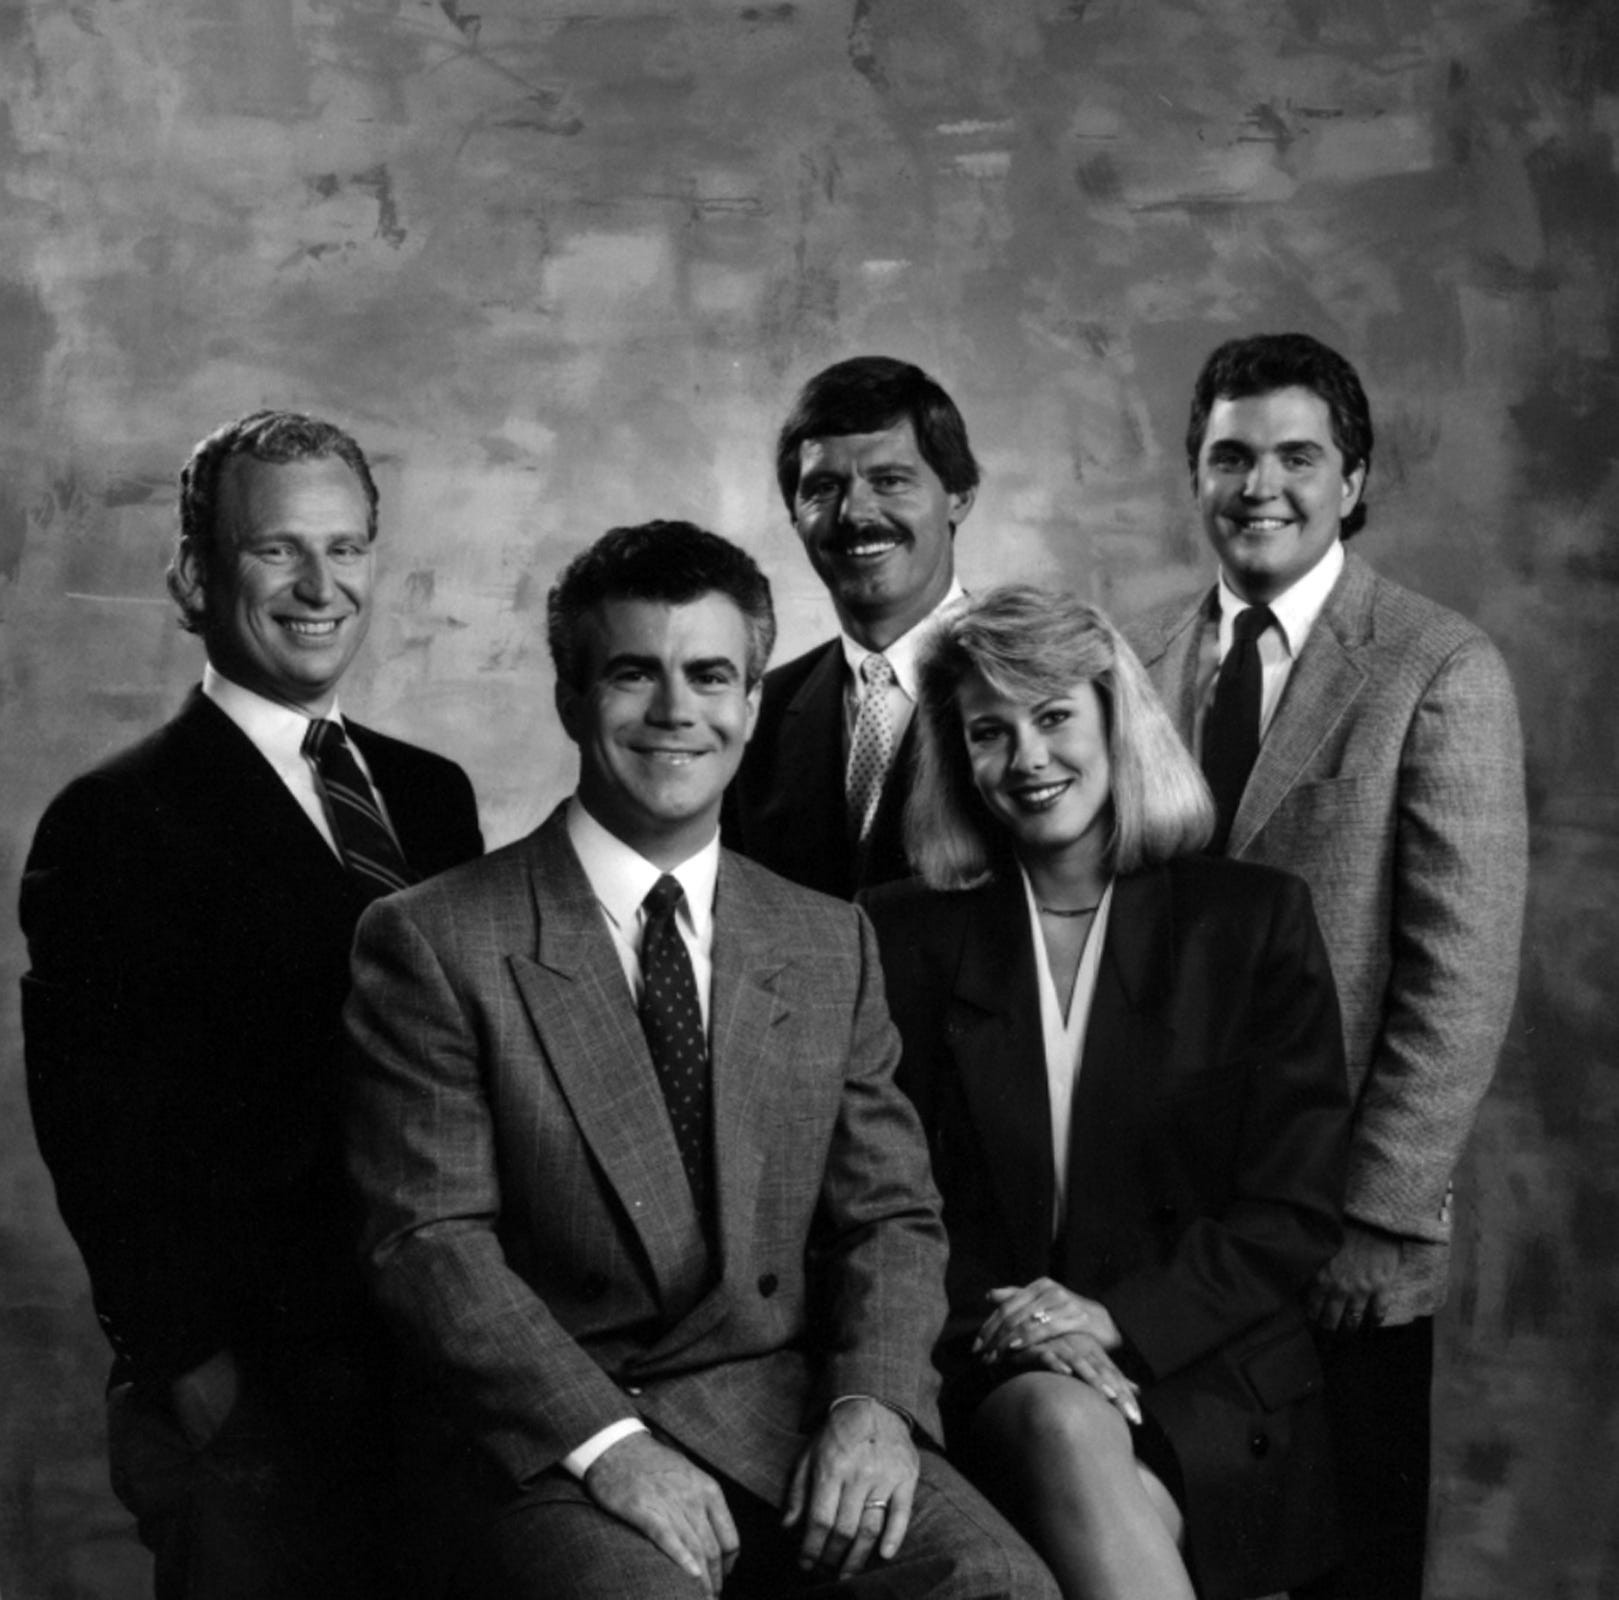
1206 1168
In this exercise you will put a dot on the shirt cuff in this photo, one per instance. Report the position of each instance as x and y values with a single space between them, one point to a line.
900 1412
579 1461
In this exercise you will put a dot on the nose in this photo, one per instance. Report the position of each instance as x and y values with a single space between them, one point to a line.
859 502
1263 479
672 705
1029 753
315 584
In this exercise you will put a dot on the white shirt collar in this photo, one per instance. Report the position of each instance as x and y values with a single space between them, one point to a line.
273 727
620 877
1295 609
905 651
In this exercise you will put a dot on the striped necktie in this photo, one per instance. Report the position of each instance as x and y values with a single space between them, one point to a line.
367 843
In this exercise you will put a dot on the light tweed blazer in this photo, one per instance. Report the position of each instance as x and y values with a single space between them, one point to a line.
1391 780
528 1224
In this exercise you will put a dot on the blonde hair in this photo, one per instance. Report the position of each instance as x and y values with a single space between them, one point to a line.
1030 644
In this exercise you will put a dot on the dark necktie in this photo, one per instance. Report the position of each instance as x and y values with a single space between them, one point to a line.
369 848
673 1021
1231 728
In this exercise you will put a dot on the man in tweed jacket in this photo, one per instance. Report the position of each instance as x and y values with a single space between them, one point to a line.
642 1359
1390 777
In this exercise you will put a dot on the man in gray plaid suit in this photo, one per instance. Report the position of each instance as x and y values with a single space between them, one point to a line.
1377 754
668 1310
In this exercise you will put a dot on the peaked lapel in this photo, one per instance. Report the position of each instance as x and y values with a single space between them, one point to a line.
574 990
993 1026
1322 687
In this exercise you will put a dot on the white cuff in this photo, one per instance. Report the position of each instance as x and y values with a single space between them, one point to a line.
578 1461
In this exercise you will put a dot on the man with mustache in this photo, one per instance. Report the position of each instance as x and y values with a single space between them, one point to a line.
189 906
877 474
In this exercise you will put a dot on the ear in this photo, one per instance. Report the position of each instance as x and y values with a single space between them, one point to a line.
755 694
1354 483
566 700
188 580
960 504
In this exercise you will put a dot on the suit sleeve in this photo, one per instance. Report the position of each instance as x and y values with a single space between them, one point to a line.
99 1075
422 1153
880 1242
1461 856
1229 1270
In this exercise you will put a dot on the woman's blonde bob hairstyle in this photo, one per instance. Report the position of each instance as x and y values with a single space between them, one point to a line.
1030 645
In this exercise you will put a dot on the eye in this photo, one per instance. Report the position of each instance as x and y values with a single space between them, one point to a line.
350 550
889 482
1054 716
984 733
1227 460
814 491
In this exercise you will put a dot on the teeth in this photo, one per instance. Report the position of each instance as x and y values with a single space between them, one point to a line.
1265 524
872 549
1041 796
310 630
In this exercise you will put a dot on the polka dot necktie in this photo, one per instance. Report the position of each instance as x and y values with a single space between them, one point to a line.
367 843
673 1022
1231 728
872 747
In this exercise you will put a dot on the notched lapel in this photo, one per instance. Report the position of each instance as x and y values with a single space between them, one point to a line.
1322 687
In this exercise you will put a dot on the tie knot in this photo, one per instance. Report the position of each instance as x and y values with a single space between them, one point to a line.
1250 623
322 737
663 897
877 670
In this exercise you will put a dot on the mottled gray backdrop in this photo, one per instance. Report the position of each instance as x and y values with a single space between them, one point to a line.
559 268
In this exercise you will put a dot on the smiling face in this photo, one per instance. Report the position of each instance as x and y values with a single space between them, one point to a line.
1042 768
661 718
1272 489
877 525
287 585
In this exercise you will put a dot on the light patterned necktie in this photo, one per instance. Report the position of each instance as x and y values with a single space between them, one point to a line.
369 848
1231 728
673 1022
872 747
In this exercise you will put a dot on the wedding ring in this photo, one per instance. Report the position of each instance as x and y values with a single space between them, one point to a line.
1042 1317
876 1505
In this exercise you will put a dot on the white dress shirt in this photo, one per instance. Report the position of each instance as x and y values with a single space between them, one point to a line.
1295 609
1064 1034
277 732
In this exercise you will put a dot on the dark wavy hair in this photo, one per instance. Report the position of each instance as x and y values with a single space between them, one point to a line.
670 562
1265 362
1031 644
867 394
274 436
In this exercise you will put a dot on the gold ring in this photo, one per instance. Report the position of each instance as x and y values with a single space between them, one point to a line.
876 1505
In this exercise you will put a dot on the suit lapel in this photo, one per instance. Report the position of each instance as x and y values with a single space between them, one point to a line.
1320 690
812 764
236 797
580 1005
994 1031
1172 661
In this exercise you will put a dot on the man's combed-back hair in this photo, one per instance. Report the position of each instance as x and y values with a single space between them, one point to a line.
1031 645
278 437
869 394
669 562
1265 362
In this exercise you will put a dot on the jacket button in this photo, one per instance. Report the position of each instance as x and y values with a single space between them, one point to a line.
1259 1443
634 1390
767 1284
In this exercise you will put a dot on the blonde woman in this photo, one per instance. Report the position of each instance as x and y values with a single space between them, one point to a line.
1127 1056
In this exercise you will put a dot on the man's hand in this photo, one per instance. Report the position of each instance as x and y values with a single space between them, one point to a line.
856 1480
205 1396
661 1494
1348 1293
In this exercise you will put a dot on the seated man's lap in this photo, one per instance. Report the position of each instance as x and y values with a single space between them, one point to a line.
557 1542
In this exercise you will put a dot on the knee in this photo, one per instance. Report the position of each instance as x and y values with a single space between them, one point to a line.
1048 1416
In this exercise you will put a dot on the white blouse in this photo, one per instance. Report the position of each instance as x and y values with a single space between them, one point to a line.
1064 1036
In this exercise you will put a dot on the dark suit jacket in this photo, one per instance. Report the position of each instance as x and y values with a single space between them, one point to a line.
786 808
1391 781
188 932
1205 1168
530 1230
